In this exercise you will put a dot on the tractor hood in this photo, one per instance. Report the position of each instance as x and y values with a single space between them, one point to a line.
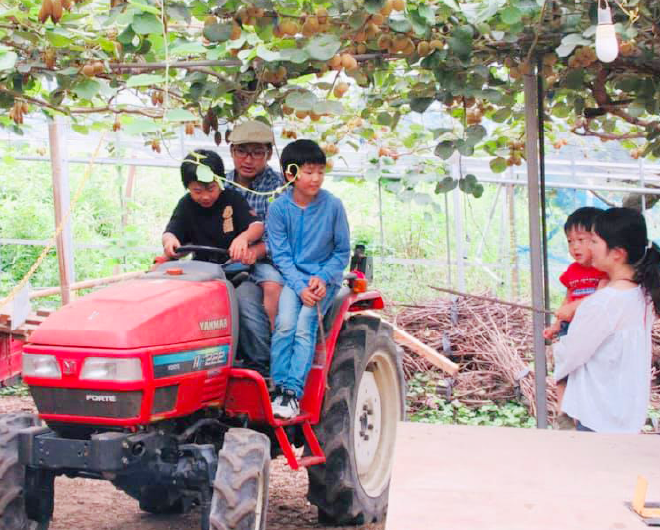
141 313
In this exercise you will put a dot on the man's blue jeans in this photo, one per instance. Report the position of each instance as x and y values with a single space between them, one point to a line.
294 339
254 331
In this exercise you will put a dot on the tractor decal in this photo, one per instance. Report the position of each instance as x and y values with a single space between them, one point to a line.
213 325
190 361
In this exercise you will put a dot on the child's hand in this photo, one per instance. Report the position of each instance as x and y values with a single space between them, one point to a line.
317 286
308 297
250 257
239 248
170 245
552 330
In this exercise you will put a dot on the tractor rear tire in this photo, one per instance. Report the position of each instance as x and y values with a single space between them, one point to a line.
357 428
240 489
12 474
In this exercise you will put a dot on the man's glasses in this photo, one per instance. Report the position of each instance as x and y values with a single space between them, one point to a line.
257 154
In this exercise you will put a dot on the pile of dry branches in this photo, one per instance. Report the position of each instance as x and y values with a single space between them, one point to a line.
491 342
493 345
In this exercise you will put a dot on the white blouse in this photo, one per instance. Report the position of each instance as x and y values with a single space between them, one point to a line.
607 358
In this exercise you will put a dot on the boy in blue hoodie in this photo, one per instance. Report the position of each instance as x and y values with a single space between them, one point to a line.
309 241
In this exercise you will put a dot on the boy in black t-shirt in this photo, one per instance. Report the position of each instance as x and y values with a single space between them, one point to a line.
211 216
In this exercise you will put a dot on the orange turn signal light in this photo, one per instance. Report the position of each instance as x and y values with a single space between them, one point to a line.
174 271
360 285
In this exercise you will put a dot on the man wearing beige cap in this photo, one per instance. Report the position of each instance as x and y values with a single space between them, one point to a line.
251 148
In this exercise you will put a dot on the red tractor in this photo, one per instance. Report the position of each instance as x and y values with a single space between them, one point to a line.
136 384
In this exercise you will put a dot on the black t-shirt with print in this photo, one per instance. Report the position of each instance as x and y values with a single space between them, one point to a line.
216 226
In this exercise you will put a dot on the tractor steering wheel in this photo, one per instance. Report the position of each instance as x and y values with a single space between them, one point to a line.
185 249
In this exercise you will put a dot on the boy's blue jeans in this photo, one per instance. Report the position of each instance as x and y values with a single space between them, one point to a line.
294 339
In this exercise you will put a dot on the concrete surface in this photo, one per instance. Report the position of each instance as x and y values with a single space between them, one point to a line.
498 478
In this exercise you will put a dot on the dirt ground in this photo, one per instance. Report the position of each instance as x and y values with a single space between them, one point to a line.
96 505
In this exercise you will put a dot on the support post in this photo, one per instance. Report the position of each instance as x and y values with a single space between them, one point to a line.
61 202
458 224
532 152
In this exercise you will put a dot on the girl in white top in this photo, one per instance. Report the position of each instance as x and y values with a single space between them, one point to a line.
607 351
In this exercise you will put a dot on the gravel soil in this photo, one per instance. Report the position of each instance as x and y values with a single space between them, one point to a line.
96 505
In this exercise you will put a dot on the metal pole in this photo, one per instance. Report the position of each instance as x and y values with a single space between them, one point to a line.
61 202
531 147
544 228
448 240
458 225
380 221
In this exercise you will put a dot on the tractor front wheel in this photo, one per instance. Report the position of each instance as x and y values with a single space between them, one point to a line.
357 429
240 489
12 474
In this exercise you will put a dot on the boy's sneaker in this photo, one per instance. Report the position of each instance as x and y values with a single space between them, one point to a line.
288 406
276 397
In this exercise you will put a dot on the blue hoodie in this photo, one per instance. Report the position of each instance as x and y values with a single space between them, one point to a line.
311 241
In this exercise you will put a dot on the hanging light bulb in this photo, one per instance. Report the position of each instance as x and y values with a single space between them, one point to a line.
607 47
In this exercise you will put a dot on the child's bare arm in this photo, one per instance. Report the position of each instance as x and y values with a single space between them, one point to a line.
567 311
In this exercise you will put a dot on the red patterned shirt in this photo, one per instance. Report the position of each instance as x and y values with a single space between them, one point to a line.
581 281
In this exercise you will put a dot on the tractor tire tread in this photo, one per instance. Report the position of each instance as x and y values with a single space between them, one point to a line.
245 456
12 473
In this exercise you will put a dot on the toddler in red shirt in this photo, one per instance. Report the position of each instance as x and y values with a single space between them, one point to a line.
581 278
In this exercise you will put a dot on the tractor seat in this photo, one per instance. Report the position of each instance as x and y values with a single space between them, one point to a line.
330 316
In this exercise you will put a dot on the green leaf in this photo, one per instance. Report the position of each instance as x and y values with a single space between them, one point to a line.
268 55
145 7
427 13
87 88
511 15
328 107
145 23
420 104
144 80
445 149
356 19
7 59
384 118
498 165
501 115
445 185
218 32
300 100
140 126
57 39
323 47
460 43
179 115
294 55
204 173
452 5
477 190
465 147
475 133
575 79
373 6
399 23
569 42
187 48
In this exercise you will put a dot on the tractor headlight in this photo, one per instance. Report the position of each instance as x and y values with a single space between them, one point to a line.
39 365
111 369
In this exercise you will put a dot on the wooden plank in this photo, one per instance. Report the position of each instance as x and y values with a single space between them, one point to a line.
88 284
61 201
417 346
